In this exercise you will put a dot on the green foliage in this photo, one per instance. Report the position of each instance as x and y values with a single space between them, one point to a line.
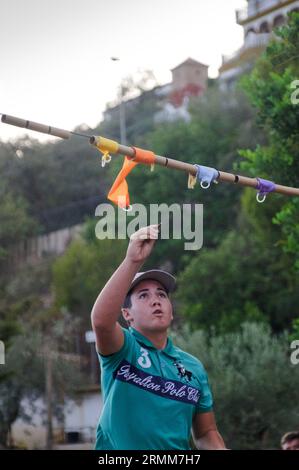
83 270
30 328
61 182
241 275
295 330
25 368
9 327
15 223
254 384
243 279
287 220
269 88
220 123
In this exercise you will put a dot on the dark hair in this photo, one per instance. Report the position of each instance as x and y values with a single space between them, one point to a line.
128 302
289 436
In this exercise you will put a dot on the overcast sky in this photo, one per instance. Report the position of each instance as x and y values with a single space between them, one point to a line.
55 54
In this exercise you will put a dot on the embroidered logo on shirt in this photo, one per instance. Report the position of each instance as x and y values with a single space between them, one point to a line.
144 360
171 389
182 371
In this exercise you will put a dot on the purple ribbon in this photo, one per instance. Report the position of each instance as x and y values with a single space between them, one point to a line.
264 186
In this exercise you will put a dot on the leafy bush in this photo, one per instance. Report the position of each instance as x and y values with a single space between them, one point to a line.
254 384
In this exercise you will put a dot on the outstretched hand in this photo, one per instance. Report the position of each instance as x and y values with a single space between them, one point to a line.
142 243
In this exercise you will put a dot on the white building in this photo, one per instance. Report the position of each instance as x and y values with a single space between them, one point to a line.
77 431
189 79
258 21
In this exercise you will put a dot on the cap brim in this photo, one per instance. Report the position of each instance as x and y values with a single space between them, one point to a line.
167 280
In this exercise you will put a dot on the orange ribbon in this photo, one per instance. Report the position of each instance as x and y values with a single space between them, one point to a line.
143 156
119 192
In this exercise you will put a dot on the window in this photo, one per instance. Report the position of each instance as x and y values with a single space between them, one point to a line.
250 30
278 21
264 28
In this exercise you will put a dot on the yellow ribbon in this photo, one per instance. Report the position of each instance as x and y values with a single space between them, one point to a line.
106 145
191 181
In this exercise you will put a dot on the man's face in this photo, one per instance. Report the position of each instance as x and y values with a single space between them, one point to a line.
291 445
151 308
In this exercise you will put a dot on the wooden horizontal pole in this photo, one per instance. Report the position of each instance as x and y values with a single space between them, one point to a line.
159 160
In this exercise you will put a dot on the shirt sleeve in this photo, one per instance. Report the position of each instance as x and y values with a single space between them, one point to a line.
112 360
205 402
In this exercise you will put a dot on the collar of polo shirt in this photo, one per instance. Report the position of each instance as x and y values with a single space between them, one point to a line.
169 350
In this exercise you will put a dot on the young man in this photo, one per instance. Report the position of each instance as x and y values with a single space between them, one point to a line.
153 392
290 441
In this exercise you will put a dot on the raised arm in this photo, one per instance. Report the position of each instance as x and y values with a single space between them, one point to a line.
107 307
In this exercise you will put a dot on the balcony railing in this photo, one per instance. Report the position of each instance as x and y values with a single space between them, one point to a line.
256 40
252 40
255 8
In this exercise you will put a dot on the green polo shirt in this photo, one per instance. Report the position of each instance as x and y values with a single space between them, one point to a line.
150 396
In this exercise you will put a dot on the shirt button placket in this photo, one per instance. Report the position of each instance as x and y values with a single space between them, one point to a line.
161 364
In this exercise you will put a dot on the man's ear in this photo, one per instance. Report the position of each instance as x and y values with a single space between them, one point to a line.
126 314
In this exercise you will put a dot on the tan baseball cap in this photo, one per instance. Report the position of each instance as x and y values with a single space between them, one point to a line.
167 280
